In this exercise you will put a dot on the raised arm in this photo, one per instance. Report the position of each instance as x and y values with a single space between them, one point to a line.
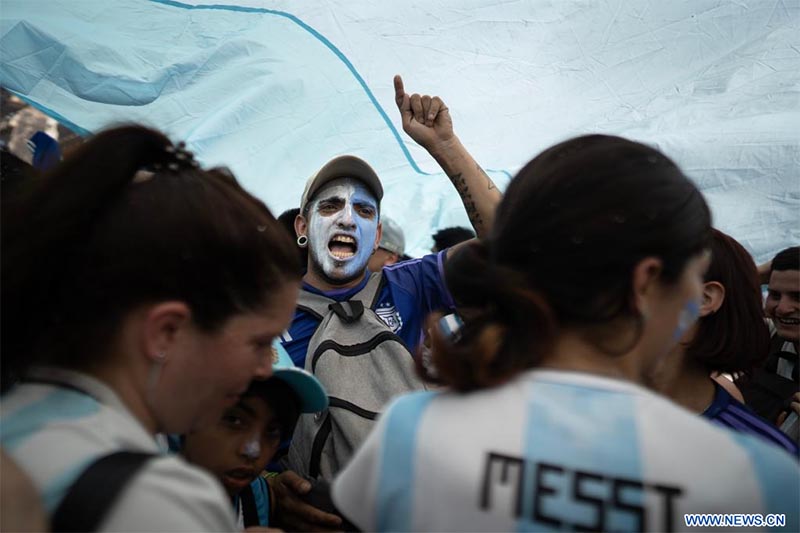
427 120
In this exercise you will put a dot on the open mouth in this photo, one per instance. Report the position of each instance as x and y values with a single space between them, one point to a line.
788 322
342 247
239 478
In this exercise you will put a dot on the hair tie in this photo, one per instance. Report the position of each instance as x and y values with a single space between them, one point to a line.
177 158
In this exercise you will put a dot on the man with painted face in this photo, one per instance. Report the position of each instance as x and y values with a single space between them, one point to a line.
339 215
339 223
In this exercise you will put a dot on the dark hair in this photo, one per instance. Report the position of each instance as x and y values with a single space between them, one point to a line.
735 338
286 219
90 243
14 174
788 259
281 399
571 227
447 237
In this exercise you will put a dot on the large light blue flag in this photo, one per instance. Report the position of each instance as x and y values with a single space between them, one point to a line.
275 89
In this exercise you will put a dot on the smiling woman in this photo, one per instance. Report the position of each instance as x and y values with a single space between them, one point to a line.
128 311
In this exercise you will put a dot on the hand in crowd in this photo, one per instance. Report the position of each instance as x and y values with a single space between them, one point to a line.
293 513
795 406
426 119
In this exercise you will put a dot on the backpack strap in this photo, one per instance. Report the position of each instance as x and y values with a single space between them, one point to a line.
92 495
313 303
319 305
349 311
371 291
249 507
318 445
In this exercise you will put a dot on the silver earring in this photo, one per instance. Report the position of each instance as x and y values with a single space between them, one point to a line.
302 241
160 356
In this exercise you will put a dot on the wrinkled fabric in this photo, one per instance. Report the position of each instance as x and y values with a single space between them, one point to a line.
275 89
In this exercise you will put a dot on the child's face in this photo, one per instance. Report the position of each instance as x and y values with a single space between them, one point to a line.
239 446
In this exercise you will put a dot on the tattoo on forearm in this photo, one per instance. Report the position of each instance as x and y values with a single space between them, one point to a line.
469 204
488 179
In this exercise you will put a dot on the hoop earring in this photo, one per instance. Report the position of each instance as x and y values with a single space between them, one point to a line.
302 241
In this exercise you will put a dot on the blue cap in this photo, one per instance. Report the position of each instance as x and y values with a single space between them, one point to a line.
313 397
46 151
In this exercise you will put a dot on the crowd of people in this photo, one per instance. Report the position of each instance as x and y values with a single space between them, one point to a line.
592 355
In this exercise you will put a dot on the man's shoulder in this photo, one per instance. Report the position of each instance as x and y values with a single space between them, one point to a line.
414 273
413 266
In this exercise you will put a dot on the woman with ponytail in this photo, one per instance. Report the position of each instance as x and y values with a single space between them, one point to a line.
591 274
140 295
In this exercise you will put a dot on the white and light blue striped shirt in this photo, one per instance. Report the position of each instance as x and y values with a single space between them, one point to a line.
553 450
54 432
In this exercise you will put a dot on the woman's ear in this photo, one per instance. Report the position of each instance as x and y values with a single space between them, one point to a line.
713 296
161 325
645 281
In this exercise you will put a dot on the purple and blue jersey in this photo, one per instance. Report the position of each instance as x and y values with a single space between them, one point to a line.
727 411
410 291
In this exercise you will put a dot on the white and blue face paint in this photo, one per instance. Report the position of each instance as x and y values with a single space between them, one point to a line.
252 448
342 229
687 318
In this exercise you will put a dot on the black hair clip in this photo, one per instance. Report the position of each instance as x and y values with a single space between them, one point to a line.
178 158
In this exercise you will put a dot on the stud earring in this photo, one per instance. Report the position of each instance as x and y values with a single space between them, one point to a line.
302 241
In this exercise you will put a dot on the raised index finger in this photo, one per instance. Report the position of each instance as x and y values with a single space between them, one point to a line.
399 90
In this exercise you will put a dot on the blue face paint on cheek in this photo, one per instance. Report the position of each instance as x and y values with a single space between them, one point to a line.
687 318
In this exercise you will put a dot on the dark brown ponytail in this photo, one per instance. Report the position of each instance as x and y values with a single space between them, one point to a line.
568 233
90 242
508 327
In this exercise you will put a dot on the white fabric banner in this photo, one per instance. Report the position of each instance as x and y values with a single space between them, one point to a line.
273 89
